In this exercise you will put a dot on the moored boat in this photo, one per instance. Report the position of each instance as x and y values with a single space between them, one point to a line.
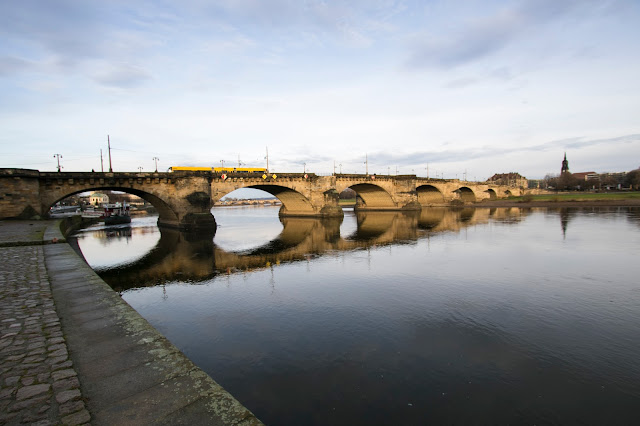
116 213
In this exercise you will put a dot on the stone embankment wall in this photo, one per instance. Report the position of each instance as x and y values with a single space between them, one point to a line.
19 193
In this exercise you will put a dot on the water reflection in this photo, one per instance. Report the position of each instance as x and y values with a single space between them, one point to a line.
193 257
485 316
118 244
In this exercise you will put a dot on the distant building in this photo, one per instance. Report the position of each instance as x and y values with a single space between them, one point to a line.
535 183
614 180
586 176
511 179
98 198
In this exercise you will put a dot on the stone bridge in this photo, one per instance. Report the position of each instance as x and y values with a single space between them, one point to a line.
184 198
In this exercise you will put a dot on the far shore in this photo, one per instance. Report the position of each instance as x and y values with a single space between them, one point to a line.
634 202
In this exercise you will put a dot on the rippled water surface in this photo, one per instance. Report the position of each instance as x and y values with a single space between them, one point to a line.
471 316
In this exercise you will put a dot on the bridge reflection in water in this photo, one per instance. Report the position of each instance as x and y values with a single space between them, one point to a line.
189 257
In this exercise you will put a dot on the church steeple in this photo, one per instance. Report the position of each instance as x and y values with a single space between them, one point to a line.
565 165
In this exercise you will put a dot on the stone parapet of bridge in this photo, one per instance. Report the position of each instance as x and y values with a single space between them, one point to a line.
184 199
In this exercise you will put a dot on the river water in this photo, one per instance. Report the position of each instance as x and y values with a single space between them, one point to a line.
469 316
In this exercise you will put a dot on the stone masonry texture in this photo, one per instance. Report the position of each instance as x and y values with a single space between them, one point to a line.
38 383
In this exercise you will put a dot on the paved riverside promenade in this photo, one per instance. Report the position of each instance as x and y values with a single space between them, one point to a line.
73 352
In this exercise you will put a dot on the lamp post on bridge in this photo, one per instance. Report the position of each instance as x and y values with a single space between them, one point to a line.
58 156
156 160
109 147
140 169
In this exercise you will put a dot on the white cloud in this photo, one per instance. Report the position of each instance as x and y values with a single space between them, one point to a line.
122 76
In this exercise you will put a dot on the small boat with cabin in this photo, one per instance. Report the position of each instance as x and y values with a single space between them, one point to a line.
117 213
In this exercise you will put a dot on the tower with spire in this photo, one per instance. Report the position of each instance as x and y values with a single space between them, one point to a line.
565 165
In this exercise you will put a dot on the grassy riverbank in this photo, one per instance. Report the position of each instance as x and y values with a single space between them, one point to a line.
579 196
568 199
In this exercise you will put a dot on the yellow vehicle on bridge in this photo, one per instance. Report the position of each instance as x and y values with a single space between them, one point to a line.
239 169
218 169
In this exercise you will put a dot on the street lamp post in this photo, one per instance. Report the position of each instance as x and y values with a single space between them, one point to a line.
58 156
140 169
156 160
109 147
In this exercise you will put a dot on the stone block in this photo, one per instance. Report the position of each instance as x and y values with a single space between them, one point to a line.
67 396
70 407
28 403
62 365
78 418
26 392
63 374
66 384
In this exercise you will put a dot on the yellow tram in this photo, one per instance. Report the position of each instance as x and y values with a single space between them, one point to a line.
218 169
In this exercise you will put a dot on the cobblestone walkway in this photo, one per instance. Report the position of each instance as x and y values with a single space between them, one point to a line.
130 373
38 384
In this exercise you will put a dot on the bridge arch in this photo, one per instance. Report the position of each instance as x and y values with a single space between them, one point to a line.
165 212
429 194
372 196
492 194
466 194
293 202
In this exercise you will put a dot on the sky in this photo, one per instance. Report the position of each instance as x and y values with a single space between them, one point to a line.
439 88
